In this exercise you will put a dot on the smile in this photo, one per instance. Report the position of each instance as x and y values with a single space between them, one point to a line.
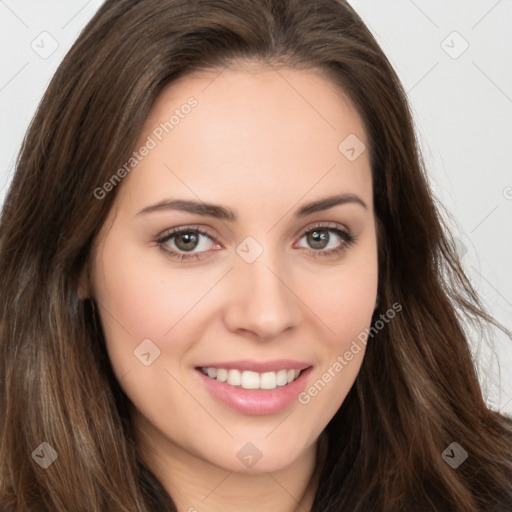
252 380
255 388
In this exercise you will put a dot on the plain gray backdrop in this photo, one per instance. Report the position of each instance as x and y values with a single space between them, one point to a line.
454 58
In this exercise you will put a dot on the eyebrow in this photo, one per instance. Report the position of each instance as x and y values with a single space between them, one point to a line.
223 213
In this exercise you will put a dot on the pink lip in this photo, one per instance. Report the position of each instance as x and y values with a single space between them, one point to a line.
257 402
259 367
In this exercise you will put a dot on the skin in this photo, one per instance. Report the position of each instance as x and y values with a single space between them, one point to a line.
262 142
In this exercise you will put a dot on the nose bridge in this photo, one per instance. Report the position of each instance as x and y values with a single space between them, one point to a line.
262 301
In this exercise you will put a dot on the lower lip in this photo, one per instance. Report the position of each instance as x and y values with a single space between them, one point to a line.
257 402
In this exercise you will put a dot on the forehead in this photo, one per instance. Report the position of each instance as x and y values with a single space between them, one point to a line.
254 131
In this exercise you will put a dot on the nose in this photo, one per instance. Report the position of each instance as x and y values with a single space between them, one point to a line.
262 299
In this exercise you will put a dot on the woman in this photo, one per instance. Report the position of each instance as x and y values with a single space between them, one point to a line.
184 327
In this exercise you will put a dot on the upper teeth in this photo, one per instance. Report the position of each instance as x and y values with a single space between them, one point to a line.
252 380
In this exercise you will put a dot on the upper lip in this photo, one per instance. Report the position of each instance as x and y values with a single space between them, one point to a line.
259 366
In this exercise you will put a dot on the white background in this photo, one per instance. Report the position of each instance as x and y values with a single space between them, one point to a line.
462 103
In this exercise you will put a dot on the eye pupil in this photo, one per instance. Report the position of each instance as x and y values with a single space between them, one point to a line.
190 240
318 238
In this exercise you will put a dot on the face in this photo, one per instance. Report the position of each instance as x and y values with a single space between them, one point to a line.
271 281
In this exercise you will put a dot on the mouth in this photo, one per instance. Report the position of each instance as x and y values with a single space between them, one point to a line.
255 392
247 379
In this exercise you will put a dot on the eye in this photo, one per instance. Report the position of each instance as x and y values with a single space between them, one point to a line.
328 240
193 243
185 240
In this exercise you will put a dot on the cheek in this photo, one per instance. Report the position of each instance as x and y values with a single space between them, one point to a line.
345 306
345 300
141 299
144 310
135 304
138 294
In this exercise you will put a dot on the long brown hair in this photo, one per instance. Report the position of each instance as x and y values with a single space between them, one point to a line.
417 390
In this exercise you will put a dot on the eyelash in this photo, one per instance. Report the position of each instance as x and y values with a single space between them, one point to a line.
347 237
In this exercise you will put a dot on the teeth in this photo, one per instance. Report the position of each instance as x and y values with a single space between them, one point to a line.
234 378
222 375
282 377
252 380
268 380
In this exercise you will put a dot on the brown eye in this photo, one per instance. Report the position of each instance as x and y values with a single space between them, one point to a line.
318 239
186 241
179 242
324 241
